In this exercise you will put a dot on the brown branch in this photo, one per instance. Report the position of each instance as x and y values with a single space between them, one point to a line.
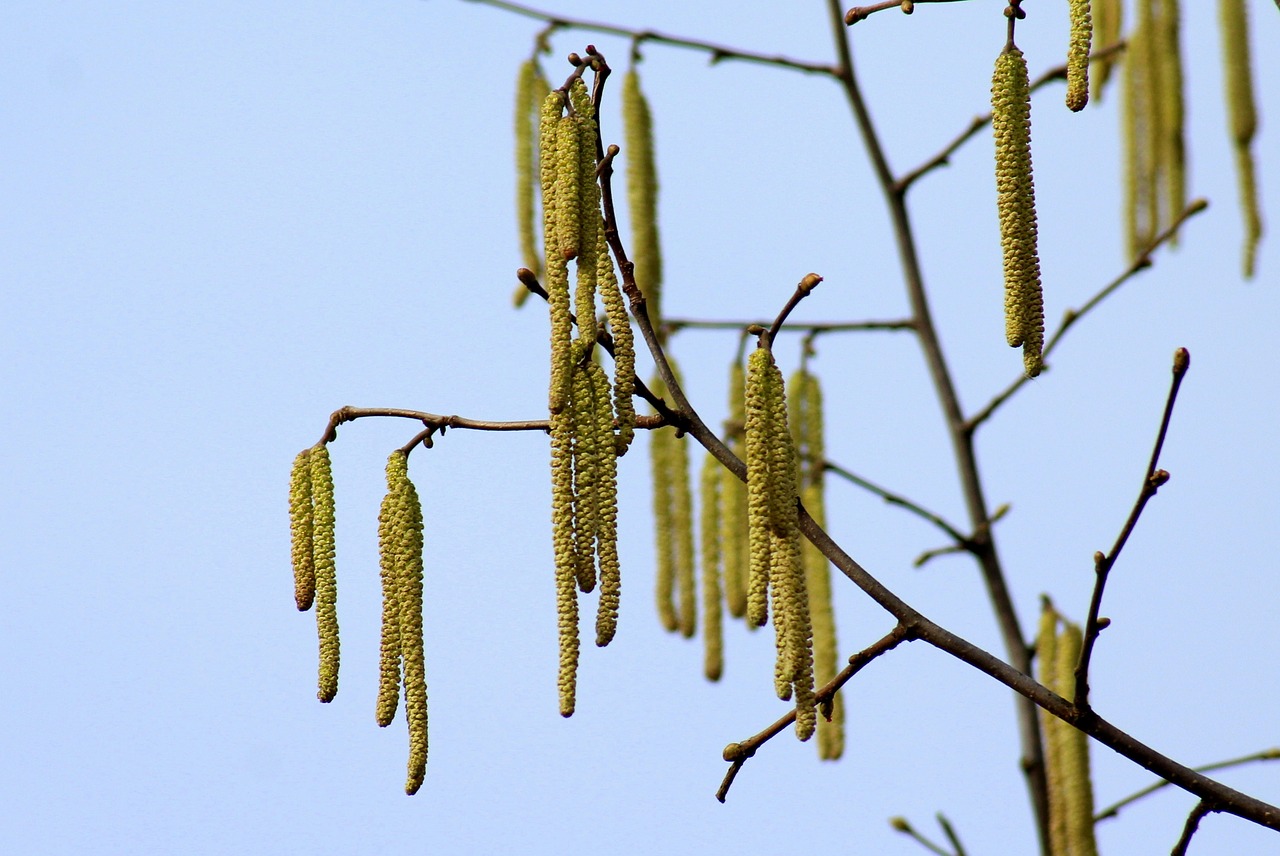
900 501
672 325
433 421
1071 316
803 290
861 13
985 551
1152 479
943 158
1113 810
737 754
1193 823
718 52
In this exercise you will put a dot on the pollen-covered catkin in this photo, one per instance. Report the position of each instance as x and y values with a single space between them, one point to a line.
673 525
565 561
326 599
807 427
1107 26
409 598
1078 54
590 220
530 88
607 525
586 479
733 492
1172 142
682 518
1076 783
1015 191
302 545
552 179
1243 118
391 520
713 643
642 193
1047 658
624 354
758 499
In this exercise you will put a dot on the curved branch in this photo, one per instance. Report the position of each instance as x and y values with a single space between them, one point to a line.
902 502
718 52
672 325
1113 810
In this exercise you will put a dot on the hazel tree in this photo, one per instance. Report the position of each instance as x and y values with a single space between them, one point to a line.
753 544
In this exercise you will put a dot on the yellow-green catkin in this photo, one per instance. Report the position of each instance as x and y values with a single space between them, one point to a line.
807 428
733 493
562 431
326 597
1016 201
673 525
409 599
302 546
758 499
530 90
1076 782
624 354
712 556
1243 118
1108 21
1172 142
642 193
1047 660
555 217
607 520
1078 54
586 479
392 519
590 220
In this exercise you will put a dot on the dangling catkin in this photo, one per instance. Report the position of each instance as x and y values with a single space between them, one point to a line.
642 193
1047 657
1078 54
590 223
673 525
586 479
1172 146
552 145
607 521
1243 119
624 354
1077 787
713 659
302 546
733 492
326 596
758 499
807 428
392 519
409 598
565 561
1107 25
1016 201
530 88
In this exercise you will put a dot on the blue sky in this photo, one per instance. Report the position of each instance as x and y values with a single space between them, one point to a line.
223 220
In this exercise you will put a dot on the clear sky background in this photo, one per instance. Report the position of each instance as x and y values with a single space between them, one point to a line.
220 221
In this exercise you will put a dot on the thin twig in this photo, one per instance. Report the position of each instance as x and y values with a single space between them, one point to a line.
1071 316
1113 810
737 754
861 13
803 289
433 421
1152 479
977 123
1189 829
901 824
672 325
900 501
951 834
718 52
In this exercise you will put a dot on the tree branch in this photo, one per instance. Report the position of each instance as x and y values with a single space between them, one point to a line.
1151 482
717 52
1071 316
672 325
900 501
1113 810
1193 823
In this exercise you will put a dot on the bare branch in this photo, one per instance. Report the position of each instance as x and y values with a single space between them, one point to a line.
803 289
1113 810
861 13
672 325
1152 479
1193 823
1071 316
717 52
900 501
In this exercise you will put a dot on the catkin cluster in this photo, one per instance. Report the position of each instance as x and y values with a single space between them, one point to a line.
1078 54
1016 201
1243 119
676 590
1155 182
311 518
804 404
401 659
776 574
1067 749
584 405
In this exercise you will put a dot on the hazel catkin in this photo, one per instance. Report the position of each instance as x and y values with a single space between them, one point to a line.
1243 118
712 560
642 193
302 541
530 87
326 595
1078 54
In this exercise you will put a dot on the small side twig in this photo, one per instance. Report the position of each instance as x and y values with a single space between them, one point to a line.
861 13
1193 823
902 502
1071 316
737 754
901 824
803 289
1113 810
1103 563
950 832
672 325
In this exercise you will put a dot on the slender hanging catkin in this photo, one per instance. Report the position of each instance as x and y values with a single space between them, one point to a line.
624 354
392 519
1107 26
642 193
805 401
562 428
409 599
758 499
586 479
1243 118
607 521
1078 54
733 492
558 219
1077 786
530 90
1172 158
682 520
712 555
1016 201
590 221
326 595
1047 659
673 524
302 546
